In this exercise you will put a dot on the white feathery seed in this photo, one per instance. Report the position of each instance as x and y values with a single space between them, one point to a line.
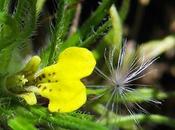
122 76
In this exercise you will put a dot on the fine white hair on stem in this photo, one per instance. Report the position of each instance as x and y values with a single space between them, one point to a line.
121 77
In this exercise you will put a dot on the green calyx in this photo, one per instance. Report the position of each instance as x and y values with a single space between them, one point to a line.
19 82
16 83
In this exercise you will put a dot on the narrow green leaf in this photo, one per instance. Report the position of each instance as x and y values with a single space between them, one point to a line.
25 16
137 95
99 33
21 123
128 120
123 12
39 6
155 48
96 17
65 14
2 4
66 120
92 22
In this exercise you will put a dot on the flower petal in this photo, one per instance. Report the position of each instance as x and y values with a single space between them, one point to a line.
76 62
29 97
73 63
65 96
32 65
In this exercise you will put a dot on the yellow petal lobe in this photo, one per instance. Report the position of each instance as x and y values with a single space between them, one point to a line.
76 62
32 65
73 63
29 97
65 96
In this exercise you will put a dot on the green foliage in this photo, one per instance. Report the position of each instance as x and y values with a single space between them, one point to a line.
29 118
87 29
15 30
20 123
64 16
19 24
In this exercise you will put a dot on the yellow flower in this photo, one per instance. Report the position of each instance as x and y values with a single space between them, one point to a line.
61 82
29 71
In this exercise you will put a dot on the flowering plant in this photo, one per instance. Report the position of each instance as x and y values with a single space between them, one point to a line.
60 69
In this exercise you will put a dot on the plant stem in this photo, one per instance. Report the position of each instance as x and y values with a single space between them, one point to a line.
159 119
